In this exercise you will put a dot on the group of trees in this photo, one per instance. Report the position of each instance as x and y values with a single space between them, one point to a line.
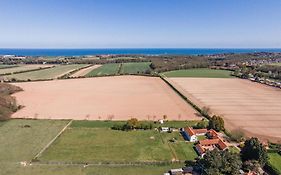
216 123
133 124
252 157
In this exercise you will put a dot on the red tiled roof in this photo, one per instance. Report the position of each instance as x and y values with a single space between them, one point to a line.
213 133
208 142
222 145
189 131
200 131
200 149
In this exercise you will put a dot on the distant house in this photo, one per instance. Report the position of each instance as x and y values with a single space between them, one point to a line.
191 134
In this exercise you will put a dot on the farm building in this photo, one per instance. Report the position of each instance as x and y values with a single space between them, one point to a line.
210 144
191 134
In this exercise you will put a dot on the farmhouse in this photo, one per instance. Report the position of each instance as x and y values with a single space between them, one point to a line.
191 134
210 144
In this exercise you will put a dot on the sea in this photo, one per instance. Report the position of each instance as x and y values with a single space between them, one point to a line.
131 51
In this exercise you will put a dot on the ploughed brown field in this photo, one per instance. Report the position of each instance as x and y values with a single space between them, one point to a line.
102 98
253 107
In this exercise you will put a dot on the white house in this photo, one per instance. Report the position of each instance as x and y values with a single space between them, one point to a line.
191 134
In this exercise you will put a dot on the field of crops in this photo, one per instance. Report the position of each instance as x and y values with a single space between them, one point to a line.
135 68
206 73
101 144
107 69
21 68
50 73
4 66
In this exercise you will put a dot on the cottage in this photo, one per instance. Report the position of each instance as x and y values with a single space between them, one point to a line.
210 144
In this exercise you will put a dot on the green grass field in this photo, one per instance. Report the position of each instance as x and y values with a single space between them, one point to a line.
204 73
88 141
50 73
106 69
19 143
96 142
135 68
275 161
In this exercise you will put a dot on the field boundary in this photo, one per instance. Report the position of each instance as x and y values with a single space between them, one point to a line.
52 141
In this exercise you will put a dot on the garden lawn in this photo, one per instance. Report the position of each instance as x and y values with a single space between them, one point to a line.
51 73
106 69
21 140
206 73
106 145
135 68
275 161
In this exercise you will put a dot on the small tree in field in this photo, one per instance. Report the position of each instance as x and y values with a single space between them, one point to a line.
165 117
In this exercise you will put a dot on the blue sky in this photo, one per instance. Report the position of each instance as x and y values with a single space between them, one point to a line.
140 23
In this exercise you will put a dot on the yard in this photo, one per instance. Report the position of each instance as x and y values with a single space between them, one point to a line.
135 68
97 143
106 69
206 73
50 73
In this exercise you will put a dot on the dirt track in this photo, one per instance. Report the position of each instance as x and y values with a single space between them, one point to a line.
251 106
118 98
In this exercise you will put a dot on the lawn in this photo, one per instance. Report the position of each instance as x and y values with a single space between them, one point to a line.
21 140
275 161
106 145
50 73
204 73
106 69
135 68
94 142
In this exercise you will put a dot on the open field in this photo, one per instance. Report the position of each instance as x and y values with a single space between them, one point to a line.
45 169
21 140
207 73
102 98
275 161
101 144
21 68
135 68
51 73
106 69
253 107
84 71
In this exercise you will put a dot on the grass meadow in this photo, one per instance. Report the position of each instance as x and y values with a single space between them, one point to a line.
21 140
104 70
135 68
94 142
202 73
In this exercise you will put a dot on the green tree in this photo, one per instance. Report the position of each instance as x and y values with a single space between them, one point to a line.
216 123
218 162
254 150
202 124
